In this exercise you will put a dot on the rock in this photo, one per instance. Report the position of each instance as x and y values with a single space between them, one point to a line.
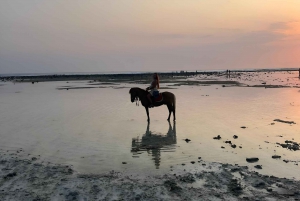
233 146
172 186
70 171
217 138
252 160
283 121
124 163
34 158
243 127
187 140
192 162
276 156
259 184
235 187
235 137
228 142
258 167
223 147
10 175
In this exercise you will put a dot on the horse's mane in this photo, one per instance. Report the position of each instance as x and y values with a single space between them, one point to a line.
137 88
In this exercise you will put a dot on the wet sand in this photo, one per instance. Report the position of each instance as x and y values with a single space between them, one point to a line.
57 145
32 179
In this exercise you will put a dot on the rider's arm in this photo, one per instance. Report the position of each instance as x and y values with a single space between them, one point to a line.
152 86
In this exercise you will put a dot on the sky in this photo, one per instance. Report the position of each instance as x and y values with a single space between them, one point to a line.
53 36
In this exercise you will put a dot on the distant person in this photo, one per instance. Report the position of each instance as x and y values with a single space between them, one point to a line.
153 88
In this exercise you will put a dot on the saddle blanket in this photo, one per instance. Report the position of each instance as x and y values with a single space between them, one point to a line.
159 98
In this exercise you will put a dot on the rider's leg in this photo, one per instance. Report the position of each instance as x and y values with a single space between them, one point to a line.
150 100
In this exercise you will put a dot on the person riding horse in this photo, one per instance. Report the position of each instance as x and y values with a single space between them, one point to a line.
153 89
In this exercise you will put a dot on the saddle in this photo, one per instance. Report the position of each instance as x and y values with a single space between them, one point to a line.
157 97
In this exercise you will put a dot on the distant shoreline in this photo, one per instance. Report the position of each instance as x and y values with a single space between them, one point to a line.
122 75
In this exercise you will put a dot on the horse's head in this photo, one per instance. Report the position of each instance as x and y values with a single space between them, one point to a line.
133 94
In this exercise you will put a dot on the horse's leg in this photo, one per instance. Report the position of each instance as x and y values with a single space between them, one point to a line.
147 111
170 111
174 117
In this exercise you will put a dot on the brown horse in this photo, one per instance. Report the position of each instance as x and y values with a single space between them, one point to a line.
168 99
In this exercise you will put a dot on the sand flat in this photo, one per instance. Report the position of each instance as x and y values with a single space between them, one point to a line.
94 130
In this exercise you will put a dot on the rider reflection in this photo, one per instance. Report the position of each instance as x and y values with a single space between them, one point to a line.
155 143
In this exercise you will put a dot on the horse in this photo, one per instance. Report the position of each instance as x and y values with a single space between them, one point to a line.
169 99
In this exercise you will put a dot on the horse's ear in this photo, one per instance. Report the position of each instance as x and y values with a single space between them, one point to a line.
130 91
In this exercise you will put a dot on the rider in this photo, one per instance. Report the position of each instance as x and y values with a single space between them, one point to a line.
153 88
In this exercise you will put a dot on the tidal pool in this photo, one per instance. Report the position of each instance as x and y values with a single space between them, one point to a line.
97 129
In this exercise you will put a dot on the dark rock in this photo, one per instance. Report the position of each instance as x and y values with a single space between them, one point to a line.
192 162
217 138
70 171
228 142
243 127
235 137
252 160
233 146
124 163
223 147
276 156
283 121
259 184
235 187
187 140
258 167
34 158
172 186
10 175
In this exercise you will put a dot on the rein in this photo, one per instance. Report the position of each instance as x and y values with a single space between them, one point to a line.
137 98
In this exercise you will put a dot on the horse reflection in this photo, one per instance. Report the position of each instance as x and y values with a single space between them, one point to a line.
155 143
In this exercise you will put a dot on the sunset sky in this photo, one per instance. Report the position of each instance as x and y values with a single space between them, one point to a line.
53 36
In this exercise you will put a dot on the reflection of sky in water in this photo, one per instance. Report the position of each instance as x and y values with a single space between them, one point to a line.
93 128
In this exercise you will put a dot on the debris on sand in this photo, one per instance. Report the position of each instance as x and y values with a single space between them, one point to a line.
252 160
217 138
235 137
283 121
233 146
228 142
243 127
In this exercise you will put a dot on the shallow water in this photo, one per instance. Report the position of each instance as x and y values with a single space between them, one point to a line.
96 129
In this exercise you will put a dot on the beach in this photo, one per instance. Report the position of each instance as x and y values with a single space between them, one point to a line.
236 137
